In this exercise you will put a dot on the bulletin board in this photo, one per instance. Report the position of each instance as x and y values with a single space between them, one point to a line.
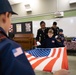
22 27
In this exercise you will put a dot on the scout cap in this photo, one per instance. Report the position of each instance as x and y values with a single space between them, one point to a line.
60 30
5 7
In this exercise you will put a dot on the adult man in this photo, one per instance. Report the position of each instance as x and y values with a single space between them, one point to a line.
55 28
42 32
12 58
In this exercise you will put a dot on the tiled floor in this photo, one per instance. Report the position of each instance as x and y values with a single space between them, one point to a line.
72 67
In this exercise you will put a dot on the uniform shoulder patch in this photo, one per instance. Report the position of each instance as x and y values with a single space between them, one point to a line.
17 51
53 41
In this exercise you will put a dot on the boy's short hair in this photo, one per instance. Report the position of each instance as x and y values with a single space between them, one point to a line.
54 23
42 22
50 31
5 7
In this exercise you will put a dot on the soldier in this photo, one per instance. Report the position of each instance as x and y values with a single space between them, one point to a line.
55 28
12 58
42 32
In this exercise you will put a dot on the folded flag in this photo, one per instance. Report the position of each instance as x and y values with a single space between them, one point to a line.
48 59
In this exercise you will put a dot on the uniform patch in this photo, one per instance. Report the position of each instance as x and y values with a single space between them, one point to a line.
53 41
17 51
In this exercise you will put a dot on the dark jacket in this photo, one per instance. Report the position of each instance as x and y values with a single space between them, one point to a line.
51 43
61 38
11 35
12 58
41 35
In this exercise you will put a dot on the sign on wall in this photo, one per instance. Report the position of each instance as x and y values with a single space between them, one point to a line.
22 27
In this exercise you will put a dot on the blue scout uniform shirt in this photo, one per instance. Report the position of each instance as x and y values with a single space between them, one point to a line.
51 43
12 58
74 39
61 38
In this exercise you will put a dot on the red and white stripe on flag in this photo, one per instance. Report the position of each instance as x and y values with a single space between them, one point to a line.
56 60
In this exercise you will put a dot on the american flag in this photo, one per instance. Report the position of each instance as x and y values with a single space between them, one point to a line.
18 51
48 59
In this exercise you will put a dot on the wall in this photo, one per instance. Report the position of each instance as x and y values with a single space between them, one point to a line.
43 7
43 10
38 7
42 17
68 24
64 5
69 20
